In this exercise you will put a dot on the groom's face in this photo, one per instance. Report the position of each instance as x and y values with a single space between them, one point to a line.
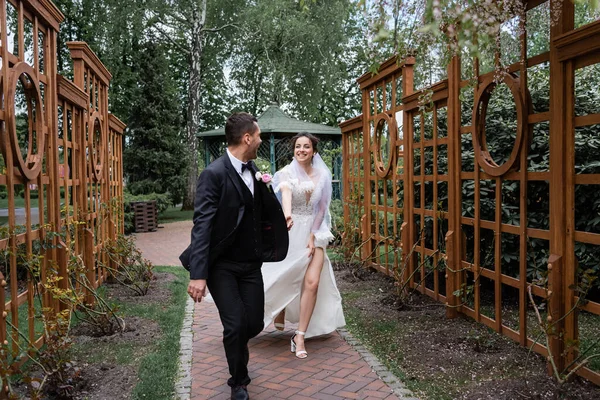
254 143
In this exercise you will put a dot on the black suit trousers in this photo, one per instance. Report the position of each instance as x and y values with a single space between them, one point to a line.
238 292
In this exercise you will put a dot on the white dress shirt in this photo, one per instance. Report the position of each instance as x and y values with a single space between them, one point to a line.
246 175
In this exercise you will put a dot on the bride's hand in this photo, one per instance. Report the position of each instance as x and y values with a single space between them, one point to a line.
289 221
311 245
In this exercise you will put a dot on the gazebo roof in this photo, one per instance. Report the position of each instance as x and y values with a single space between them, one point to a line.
274 120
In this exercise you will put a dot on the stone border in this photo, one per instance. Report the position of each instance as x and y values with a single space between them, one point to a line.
384 374
183 385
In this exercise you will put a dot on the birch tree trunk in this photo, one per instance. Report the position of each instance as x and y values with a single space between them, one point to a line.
198 18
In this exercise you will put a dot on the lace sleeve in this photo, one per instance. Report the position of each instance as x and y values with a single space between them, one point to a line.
282 179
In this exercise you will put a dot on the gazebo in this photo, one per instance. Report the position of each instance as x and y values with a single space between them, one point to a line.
279 128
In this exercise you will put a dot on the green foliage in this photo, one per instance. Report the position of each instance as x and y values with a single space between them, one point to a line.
337 219
152 157
163 201
500 134
127 265
302 57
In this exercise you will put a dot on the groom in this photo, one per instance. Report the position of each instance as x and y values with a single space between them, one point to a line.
238 224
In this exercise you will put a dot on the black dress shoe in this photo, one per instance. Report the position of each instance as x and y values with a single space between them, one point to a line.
239 393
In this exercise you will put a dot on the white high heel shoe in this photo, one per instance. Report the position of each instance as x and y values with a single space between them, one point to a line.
299 353
279 326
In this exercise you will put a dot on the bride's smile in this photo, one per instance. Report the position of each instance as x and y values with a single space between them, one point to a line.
303 150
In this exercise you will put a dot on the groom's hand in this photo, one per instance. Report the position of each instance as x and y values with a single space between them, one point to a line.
197 289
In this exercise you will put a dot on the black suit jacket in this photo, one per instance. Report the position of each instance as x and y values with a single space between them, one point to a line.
218 210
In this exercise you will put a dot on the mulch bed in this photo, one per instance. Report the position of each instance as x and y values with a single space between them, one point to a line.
457 358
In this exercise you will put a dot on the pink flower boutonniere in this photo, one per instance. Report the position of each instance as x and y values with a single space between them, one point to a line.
264 178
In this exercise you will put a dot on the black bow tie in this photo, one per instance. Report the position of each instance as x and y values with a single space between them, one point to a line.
247 166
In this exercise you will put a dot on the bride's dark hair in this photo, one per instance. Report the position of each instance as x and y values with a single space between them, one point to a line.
313 139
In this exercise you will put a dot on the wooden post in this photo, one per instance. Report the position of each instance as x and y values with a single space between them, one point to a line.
406 247
364 234
453 241
3 342
346 194
408 230
451 277
89 261
561 95
556 311
367 248
62 272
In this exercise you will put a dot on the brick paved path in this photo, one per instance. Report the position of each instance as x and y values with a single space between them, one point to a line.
164 246
333 369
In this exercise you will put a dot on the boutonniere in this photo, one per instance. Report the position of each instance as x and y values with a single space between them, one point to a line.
264 178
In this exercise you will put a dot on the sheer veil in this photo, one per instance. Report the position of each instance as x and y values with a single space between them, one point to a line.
293 175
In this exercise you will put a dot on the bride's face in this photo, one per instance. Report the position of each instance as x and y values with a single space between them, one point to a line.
303 150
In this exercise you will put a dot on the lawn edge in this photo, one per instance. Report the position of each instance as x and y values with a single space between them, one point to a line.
397 386
183 385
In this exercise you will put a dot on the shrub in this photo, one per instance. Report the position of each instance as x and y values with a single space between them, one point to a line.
163 201
337 219
127 265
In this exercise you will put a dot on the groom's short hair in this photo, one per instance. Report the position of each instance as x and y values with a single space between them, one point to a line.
237 125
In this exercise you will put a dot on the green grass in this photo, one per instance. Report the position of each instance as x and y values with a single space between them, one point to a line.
157 362
23 318
158 370
19 202
174 214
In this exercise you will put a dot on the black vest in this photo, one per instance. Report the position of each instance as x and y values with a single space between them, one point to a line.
247 244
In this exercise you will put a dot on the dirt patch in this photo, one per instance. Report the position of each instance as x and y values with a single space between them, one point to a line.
106 382
442 358
116 375
106 366
139 331
157 291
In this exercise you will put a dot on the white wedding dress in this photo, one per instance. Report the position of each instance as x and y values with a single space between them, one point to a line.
283 280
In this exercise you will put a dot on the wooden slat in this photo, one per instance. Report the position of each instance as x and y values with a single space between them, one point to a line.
587 237
585 120
539 117
587 179
589 306
578 42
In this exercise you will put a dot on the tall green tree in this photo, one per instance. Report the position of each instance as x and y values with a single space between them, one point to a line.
187 25
113 30
152 157
305 56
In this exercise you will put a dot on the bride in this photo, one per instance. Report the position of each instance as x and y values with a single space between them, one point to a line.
302 287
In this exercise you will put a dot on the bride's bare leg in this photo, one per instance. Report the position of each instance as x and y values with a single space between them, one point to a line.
308 298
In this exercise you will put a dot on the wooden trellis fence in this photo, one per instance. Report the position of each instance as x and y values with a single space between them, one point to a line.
61 153
436 207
